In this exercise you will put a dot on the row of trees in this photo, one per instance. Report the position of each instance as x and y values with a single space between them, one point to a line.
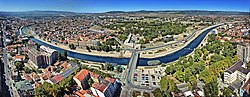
206 64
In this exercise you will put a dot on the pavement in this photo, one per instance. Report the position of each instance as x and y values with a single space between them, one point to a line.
129 86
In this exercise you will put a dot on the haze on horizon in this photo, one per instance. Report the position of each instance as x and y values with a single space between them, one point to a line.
96 6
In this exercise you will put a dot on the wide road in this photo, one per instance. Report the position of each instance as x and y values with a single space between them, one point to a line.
9 81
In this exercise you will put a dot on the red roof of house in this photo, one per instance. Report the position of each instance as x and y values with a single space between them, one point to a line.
56 79
110 79
19 57
246 86
64 65
81 75
81 93
101 87
94 75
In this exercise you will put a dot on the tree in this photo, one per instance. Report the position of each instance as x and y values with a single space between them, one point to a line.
158 93
167 84
87 47
248 65
59 56
179 75
206 76
40 92
27 70
19 66
109 67
72 46
65 55
226 92
211 89
119 68
90 82
170 69
216 57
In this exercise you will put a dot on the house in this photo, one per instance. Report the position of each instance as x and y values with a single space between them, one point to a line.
244 90
235 75
18 58
24 88
237 71
81 78
107 88
85 93
56 79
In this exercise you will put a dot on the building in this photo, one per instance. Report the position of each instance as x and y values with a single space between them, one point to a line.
85 93
56 79
237 71
50 55
36 58
244 90
81 78
107 88
95 77
243 52
235 75
43 57
66 72
25 88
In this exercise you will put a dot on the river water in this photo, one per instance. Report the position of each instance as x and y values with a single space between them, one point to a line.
142 61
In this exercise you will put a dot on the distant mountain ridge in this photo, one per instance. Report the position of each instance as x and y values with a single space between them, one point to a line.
68 13
38 13
190 12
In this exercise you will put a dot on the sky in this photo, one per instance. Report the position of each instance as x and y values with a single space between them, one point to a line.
96 6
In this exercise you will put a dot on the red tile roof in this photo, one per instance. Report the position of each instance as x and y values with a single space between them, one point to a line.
19 57
82 93
81 75
64 65
56 79
246 86
110 79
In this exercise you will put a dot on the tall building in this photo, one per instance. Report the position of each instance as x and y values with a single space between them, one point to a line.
45 56
81 78
50 55
243 52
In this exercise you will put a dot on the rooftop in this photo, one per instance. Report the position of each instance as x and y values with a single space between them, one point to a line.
246 86
84 93
81 75
56 79
237 67
23 85
111 80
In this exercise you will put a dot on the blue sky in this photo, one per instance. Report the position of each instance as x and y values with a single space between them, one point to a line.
124 5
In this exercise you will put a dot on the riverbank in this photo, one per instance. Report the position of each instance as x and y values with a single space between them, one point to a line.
172 50
127 54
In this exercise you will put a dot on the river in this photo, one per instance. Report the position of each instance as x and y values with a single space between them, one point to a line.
142 61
